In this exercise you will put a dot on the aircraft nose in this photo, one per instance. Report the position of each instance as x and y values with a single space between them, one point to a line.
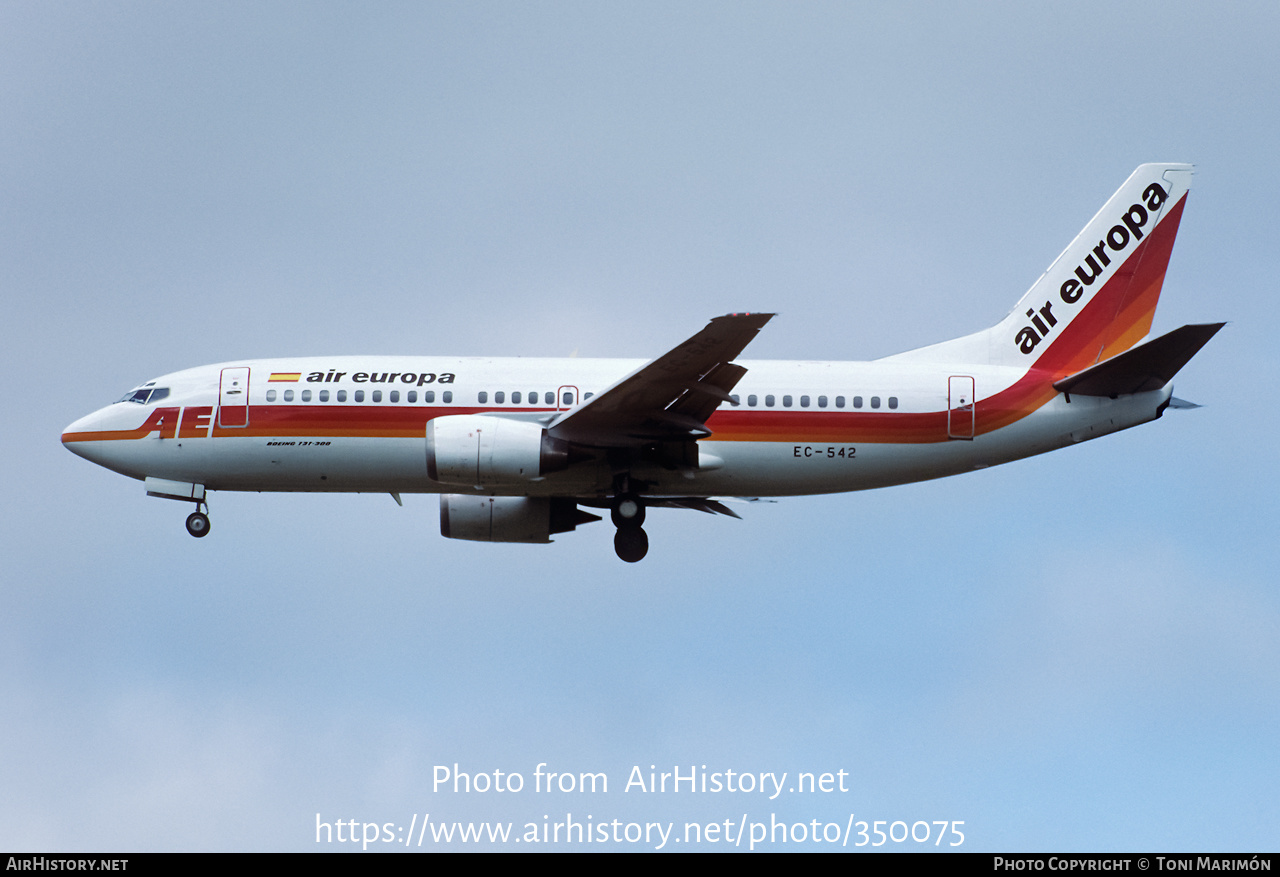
79 436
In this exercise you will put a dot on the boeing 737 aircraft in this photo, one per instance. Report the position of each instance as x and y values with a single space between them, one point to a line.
518 448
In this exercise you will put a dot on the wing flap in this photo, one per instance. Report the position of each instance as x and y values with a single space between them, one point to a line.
710 392
698 504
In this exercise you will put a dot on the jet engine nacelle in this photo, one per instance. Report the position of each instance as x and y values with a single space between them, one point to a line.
508 518
482 451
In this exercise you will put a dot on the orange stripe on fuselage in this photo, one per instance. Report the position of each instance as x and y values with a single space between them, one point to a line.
108 435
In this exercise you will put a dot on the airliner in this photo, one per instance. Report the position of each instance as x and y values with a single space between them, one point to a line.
521 449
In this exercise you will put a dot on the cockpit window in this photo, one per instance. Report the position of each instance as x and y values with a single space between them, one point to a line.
145 395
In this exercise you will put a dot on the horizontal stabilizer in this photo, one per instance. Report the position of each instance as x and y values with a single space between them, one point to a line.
1149 366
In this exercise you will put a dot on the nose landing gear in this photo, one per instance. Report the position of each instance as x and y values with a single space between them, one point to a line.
630 542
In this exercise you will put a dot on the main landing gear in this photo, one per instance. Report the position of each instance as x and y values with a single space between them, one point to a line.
198 521
630 542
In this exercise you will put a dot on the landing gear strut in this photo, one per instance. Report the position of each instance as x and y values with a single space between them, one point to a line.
198 522
630 542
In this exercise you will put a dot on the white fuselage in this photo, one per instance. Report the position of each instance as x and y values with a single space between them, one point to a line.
359 424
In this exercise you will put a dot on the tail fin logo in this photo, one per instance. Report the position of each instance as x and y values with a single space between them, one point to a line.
1129 230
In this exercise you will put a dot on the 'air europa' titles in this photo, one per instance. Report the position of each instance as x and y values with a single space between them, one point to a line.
1118 238
417 379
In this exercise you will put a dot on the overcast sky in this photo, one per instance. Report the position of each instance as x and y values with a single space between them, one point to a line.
1078 651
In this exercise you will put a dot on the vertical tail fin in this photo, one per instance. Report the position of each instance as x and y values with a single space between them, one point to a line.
1099 296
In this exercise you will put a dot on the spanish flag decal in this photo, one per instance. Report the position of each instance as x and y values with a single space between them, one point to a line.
287 377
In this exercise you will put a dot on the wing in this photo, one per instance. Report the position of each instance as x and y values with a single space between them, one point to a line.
670 398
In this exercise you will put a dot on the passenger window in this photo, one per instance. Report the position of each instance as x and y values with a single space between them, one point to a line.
893 401
288 395
768 401
587 396
446 396
734 397
271 395
324 395
429 396
377 395
822 401
306 395
499 397
751 400
342 395
857 401
549 398
875 401
395 395
515 397
786 401
839 401
359 396
411 396
804 401
482 397
566 398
